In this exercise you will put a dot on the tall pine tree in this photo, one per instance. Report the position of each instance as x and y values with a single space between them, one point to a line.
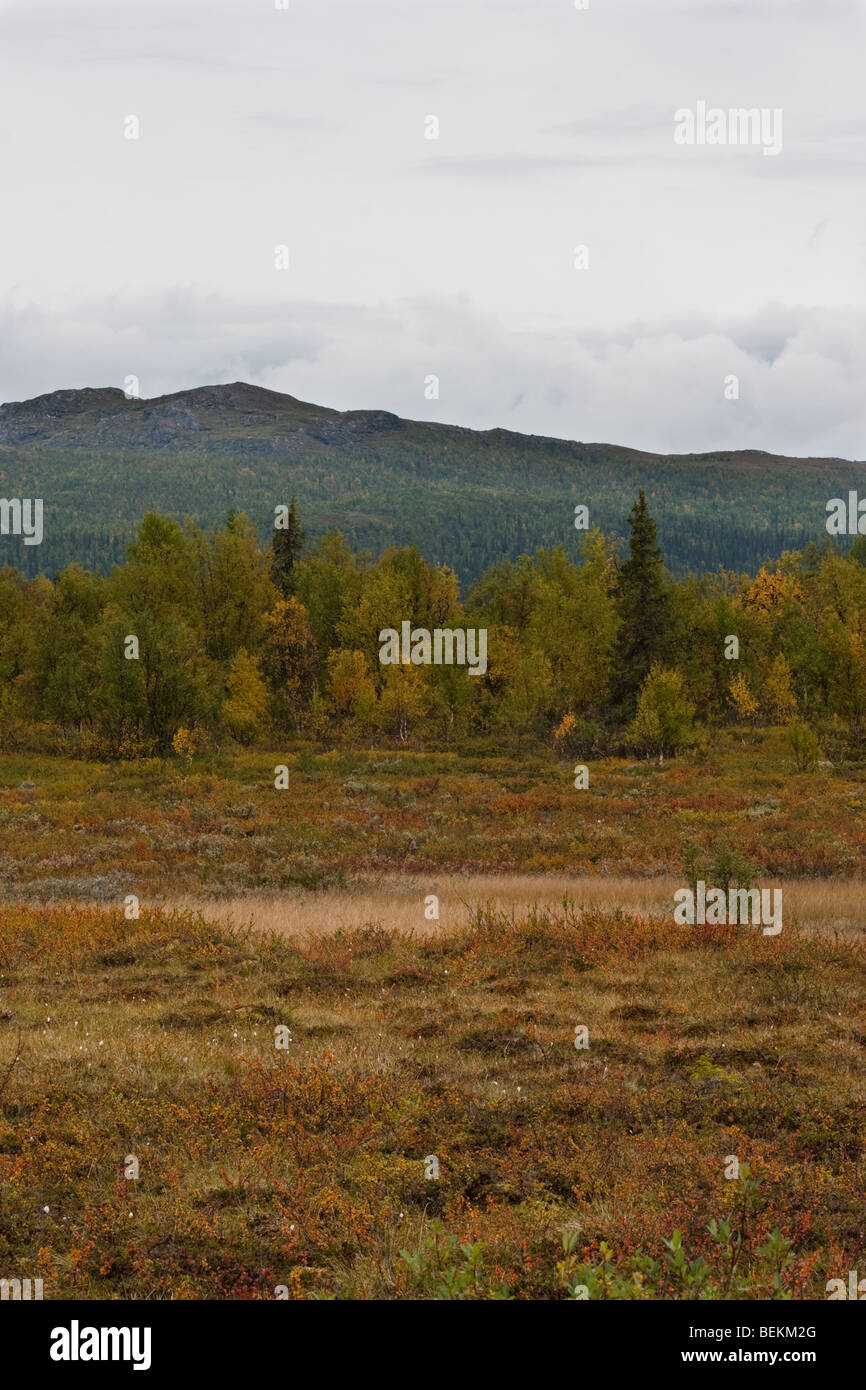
288 544
642 606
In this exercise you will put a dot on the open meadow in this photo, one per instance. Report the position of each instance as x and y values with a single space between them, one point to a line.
287 1077
218 828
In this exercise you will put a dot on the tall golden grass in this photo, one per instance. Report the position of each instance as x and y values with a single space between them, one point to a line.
399 903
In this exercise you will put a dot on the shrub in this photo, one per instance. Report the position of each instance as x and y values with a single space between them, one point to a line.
804 745
578 738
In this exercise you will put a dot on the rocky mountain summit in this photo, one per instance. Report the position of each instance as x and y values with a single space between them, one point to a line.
105 416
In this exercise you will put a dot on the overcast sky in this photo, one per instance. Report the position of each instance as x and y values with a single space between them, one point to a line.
453 257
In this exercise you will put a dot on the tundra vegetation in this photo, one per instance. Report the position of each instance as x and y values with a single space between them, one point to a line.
306 1167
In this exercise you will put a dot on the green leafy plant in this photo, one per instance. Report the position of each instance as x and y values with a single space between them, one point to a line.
444 1269
737 1266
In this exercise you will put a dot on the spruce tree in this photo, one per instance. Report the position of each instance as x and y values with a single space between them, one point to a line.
642 606
288 544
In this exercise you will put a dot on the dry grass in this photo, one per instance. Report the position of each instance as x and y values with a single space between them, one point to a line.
398 903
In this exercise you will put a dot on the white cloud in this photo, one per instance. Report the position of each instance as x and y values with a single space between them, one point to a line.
454 257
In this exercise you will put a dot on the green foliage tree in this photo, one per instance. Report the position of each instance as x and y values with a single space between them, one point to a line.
328 582
663 722
159 576
17 610
573 624
404 699
149 697
233 587
291 657
245 708
65 652
642 605
565 642
351 698
399 587
287 545
780 701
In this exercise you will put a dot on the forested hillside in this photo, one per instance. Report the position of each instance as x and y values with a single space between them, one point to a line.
466 498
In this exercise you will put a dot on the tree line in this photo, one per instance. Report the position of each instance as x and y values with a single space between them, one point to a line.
205 637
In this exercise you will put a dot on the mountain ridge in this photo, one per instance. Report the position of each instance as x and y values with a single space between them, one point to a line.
247 396
468 498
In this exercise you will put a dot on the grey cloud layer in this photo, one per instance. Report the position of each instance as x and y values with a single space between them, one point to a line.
657 387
